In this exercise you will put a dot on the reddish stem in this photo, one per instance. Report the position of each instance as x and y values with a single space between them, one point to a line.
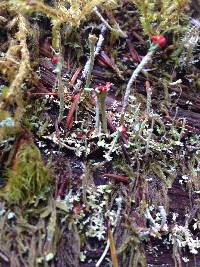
118 178
134 54
70 116
75 76
41 94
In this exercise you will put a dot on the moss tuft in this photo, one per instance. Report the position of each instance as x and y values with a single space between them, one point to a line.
28 177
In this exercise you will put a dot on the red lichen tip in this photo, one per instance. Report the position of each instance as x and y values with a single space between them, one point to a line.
123 129
154 38
101 88
159 39
98 87
54 60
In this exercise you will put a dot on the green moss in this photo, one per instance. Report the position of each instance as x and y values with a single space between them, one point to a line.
28 177
160 16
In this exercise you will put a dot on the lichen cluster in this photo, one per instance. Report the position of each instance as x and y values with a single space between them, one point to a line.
98 128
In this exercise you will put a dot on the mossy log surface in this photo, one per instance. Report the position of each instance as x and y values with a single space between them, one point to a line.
99 133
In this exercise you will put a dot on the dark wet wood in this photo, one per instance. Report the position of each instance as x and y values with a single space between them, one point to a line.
158 255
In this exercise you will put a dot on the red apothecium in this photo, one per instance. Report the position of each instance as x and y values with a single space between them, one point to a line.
159 39
54 60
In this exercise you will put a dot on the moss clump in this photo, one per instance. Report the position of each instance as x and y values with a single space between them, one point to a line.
160 16
28 176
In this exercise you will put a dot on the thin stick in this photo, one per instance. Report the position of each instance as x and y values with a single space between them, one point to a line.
103 113
92 40
104 254
58 70
100 41
119 207
119 31
149 93
134 75
97 116
104 120
87 65
61 91
149 131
